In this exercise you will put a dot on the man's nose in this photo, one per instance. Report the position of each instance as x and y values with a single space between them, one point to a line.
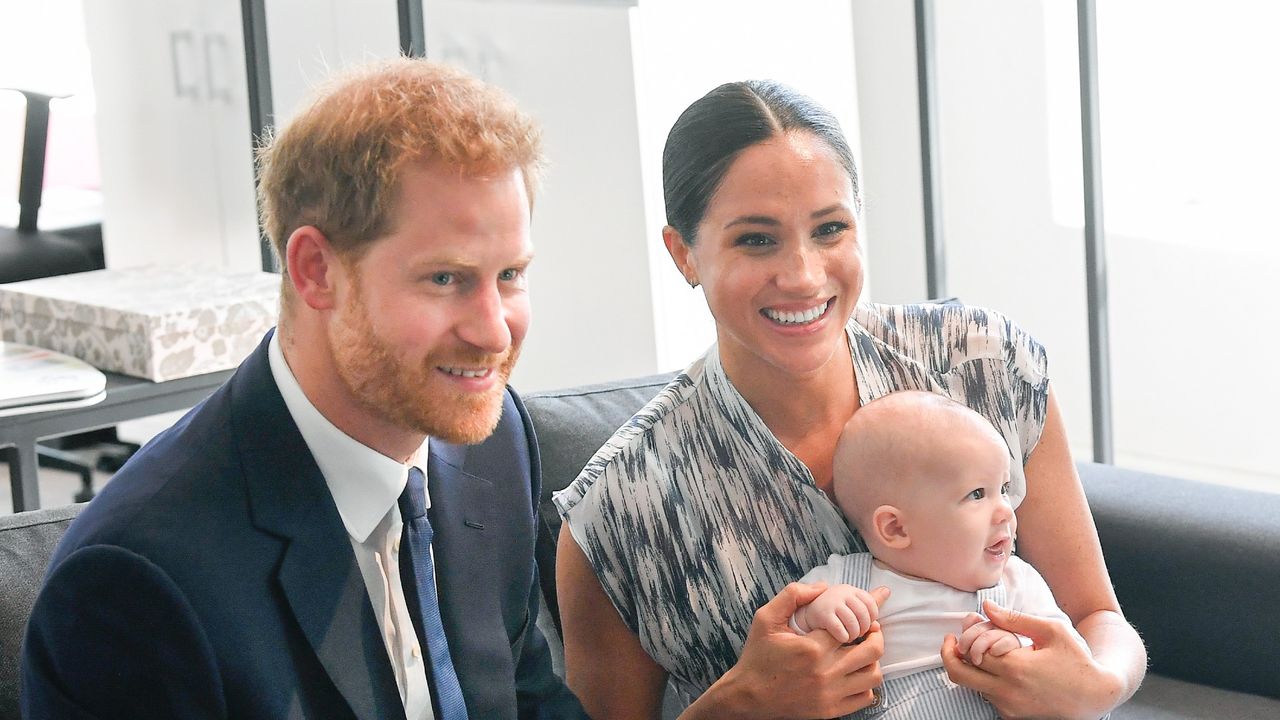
485 325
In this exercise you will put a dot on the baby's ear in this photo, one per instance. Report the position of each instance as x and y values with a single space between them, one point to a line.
890 529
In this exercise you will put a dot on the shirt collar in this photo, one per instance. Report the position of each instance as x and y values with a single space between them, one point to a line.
364 483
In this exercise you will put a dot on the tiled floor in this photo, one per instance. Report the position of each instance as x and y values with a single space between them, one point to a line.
56 487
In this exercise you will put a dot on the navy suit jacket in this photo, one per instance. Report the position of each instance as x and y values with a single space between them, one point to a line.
213 578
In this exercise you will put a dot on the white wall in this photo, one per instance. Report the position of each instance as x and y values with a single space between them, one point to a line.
893 207
307 40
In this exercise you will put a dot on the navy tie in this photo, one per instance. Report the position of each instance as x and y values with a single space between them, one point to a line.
417 575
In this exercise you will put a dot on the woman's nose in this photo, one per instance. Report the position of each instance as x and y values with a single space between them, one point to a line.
801 272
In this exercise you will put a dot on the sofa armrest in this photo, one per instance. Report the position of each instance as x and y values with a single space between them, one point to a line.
27 541
1196 567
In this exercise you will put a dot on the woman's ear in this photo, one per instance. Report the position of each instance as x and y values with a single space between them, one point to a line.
311 263
679 251
890 527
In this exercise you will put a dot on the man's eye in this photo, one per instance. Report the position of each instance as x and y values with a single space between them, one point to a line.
443 278
509 274
977 494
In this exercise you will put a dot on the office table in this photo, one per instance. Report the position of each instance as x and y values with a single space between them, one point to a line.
127 398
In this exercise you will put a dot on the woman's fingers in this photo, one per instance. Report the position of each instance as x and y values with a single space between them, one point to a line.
1042 631
775 615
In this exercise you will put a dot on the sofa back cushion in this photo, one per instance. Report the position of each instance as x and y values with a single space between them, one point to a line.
27 540
570 426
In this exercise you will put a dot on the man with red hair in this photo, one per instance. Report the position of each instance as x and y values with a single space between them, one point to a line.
346 528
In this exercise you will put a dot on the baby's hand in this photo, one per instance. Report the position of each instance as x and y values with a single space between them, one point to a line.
844 611
981 638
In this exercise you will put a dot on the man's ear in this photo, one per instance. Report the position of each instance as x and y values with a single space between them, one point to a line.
312 265
890 528
680 254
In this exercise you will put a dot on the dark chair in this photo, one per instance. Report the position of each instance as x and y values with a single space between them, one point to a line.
26 253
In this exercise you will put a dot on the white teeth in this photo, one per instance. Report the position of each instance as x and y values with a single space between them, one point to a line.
797 318
465 373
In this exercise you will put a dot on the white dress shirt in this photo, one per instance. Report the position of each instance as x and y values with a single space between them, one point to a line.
366 485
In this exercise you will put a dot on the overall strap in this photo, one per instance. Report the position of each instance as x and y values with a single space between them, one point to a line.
855 570
995 594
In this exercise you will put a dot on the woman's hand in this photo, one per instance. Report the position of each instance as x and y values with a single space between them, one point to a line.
981 638
784 675
1055 678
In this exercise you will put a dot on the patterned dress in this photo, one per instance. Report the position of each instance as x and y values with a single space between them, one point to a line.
694 515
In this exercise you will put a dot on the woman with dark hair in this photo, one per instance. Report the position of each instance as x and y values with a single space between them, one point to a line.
687 530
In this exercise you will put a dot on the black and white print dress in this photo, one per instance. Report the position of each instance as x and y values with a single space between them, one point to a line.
694 515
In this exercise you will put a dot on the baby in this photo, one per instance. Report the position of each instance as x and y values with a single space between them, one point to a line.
925 482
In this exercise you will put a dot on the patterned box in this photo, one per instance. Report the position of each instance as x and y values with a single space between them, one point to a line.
157 323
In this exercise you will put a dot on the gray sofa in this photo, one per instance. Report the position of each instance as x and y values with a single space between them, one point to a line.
1195 566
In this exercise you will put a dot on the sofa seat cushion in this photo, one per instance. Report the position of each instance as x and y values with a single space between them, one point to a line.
1164 698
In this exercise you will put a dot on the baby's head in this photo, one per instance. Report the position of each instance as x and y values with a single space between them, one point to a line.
925 481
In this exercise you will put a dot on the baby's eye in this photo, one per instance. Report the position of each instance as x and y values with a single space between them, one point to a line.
977 494
1004 489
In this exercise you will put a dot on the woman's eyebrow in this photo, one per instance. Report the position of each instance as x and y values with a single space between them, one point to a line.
752 220
773 222
826 211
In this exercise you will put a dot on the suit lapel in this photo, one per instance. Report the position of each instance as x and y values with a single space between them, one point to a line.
460 504
464 532
319 576
324 587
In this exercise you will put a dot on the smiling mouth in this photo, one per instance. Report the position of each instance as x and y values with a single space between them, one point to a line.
803 317
466 372
1001 548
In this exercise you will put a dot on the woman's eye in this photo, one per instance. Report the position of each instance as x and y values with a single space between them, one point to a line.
755 240
831 228
977 494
